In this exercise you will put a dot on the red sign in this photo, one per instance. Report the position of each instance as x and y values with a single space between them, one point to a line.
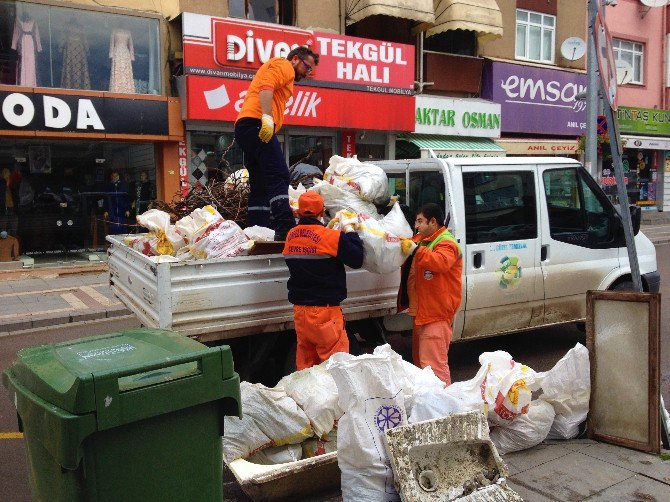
183 168
211 98
348 143
231 48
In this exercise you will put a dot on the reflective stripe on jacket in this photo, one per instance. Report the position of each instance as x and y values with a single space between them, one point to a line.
315 256
438 268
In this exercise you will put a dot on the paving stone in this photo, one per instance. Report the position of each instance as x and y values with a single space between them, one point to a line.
25 285
15 325
572 477
526 493
632 460
572 444
117 311
45 320
636 488
527 459
88 315
660 472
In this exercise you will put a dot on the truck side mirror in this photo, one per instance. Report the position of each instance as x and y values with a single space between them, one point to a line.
635 218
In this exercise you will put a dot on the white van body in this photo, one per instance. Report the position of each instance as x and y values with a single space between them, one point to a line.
536 233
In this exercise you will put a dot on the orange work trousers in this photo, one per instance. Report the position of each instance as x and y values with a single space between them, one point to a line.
320 332
430 347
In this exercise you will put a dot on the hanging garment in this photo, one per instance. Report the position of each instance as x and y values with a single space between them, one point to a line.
26 41
75 63
122 54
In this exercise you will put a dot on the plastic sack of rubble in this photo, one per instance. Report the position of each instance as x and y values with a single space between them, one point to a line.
277 455
526 430
336 199
242 438
411 378
567 387
366 180
507 386
382 250
313 447
293 196
373 402
258 233
316 393
276 414
215 237
239 178
162 239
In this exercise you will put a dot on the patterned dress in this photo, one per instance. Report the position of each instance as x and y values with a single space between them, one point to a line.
122 54
75 63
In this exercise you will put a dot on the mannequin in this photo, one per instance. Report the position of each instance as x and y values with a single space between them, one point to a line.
9 247
26 41
116 206
75 53
142 194
122 54
9 202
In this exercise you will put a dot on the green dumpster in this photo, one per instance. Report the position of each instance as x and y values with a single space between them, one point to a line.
136 415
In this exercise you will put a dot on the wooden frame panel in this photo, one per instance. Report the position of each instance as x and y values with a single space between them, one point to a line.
617 412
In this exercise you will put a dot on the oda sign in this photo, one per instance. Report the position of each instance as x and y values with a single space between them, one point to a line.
42 112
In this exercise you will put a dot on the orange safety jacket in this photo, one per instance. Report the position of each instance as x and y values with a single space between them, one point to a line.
276 75
438 266
315 256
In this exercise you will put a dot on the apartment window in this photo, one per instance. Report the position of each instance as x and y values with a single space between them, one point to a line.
632 53
269 11
462 42
535 36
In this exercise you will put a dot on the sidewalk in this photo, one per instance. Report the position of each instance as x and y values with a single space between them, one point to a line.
34 298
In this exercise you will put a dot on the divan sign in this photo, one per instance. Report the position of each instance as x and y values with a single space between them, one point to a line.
457 117
536 100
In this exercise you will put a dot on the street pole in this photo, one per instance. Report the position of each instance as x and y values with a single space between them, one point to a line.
592 99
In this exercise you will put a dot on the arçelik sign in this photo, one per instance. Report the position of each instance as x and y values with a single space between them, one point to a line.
221 55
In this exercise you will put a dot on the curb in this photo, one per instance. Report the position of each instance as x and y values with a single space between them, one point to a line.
42 321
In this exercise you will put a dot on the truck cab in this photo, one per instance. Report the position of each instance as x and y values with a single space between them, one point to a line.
536 234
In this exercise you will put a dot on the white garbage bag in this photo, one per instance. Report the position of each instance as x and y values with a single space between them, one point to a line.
373 402
162 239
316 393
395 223
242 438
336 199
239 178
293 196
258 233
567 387
366 180
524 431
382 250
434 403
213 237
277 455
276 414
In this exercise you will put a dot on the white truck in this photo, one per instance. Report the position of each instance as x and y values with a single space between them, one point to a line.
536 234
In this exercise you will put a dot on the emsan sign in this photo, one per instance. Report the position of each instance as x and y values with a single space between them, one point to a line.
457 117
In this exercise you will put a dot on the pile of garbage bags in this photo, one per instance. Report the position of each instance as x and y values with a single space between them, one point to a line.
348 402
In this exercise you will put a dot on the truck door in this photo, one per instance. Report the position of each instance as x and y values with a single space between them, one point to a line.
502 249
580 240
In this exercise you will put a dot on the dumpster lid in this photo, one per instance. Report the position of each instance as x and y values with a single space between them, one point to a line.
63 373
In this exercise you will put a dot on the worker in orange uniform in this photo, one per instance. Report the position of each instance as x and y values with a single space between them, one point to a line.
430 287
260 118
315 256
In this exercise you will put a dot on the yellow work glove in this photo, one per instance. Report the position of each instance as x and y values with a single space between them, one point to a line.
350 227
406 246
333 222
267 128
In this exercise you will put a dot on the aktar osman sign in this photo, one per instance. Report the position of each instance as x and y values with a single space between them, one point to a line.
354 74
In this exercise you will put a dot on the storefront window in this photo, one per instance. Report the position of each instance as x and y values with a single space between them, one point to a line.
46 46
68 195
213 157
640 169
314 150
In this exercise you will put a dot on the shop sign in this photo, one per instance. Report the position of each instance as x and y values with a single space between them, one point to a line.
646 143
72 113
460 154
546 147
536 100
348 143
457 117
235 49
643 121
182 155
211 98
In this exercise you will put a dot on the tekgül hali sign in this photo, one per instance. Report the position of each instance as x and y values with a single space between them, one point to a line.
457 117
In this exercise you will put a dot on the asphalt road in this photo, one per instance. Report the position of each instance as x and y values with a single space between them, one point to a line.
539 349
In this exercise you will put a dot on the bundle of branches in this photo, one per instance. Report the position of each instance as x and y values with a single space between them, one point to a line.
229 198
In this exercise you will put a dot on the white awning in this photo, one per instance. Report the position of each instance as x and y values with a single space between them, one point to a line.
421 11
481 16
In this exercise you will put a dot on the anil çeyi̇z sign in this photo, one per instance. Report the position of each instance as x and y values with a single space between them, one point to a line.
29 111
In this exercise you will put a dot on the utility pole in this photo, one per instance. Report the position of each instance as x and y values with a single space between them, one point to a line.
592 98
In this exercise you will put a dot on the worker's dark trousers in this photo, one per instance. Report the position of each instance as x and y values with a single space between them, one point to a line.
268 179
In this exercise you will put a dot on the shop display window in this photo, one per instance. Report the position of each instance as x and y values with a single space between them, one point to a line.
60 47
213 156
640 169
66 196
313 150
